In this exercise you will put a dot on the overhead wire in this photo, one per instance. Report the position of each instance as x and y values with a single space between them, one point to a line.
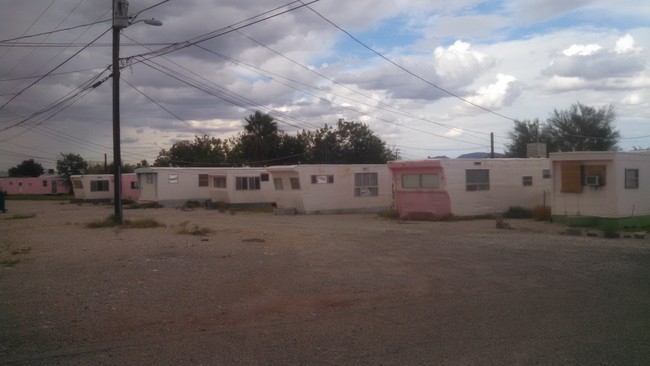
10 40
392 109
76 38
51 71
404 68
375 117
31 25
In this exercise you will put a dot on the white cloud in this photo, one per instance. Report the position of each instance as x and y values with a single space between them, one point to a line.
498 94
460 62
592 62
626 45
582 50
632 99
454 132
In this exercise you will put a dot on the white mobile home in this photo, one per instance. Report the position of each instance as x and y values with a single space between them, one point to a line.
601 188
248 186
331 188
100 186
175 186
469 187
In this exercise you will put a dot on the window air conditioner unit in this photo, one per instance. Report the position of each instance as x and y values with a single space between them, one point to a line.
592 180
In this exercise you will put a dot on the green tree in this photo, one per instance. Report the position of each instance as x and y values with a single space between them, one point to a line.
583 128
261 140
71 164
348 143
580 128
358 144
27 168
203 151
523 133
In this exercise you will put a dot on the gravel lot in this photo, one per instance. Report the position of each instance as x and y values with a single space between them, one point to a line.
322 289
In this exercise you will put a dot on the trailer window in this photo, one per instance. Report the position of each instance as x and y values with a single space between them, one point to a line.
247 183
99 186
631 178
219 182
322 179
477 180
203 180
366 185
420 181
279 185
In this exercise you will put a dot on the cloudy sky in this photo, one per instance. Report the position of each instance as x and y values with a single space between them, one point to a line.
431 77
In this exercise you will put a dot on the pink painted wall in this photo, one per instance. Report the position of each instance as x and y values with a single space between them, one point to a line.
414 201
130 190
39 185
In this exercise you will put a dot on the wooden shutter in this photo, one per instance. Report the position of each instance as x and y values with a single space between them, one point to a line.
571 177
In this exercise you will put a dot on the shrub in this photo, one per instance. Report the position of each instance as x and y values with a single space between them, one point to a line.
542 213
194 230
142 224
517 212
389 214
127 224
190 205
20 216
107 222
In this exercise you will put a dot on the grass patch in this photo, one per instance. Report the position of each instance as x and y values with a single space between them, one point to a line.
98 224
39 197
136 206
542 213
127 224
187 229
142 224
20 216
9 262
517 212
18 251
191 205
389 214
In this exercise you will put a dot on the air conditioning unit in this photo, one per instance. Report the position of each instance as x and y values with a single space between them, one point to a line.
592 180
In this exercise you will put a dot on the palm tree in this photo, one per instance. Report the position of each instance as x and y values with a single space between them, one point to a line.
261 139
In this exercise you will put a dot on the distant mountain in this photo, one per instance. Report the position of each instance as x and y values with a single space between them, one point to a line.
480 155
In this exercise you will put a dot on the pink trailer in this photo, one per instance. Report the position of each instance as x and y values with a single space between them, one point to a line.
49 184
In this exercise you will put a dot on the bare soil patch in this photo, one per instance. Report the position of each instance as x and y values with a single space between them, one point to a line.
255 288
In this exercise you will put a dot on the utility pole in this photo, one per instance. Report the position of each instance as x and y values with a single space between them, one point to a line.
491 145
120 21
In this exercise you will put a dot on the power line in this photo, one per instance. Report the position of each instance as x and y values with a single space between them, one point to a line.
219 32
53 31
61 51
51 71
392 108
405 69
31 25
163 108
394 123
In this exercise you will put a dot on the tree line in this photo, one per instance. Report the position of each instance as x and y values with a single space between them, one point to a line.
262 143
580 128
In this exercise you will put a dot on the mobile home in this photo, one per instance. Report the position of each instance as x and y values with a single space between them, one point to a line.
601 188
175 186
469 187
331 188
241 186
100 186
46 184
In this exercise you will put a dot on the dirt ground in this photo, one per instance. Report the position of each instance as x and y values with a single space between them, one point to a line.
262 289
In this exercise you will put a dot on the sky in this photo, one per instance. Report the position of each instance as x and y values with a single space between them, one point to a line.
430 77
